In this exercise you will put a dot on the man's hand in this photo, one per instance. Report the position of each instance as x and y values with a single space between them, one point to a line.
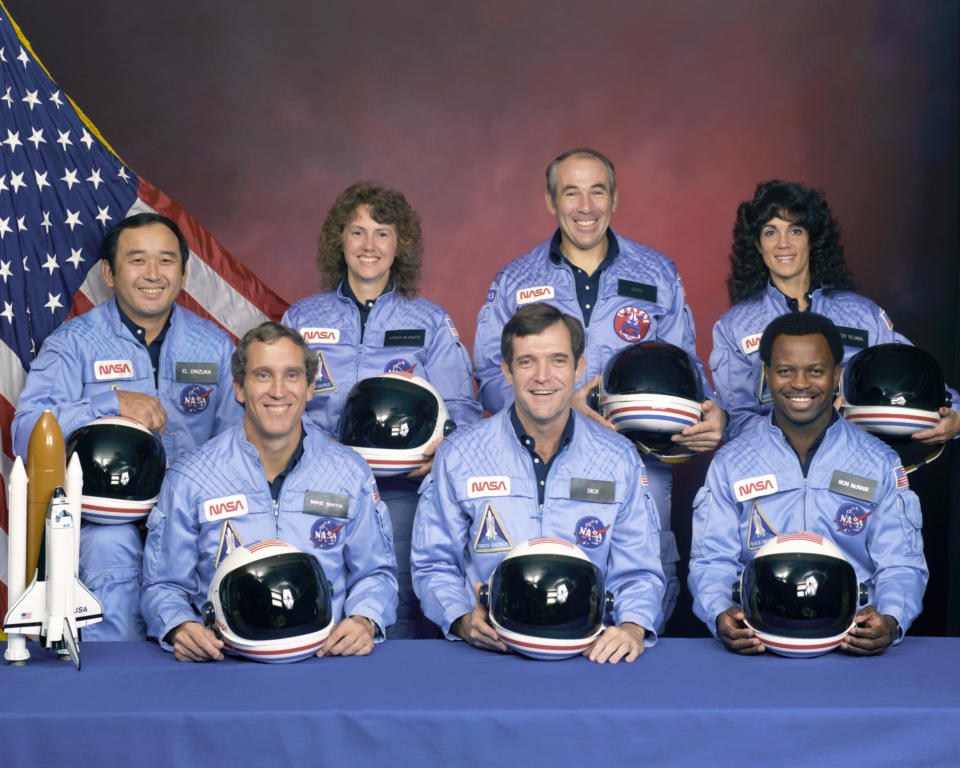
429 451
706 435
351 637
948 427
143 408
192 641
580 402
615 643
872 634
476 628
734 634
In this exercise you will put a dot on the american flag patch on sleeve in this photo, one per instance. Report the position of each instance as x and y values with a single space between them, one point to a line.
901 476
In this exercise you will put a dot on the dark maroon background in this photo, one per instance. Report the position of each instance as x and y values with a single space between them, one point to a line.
254 116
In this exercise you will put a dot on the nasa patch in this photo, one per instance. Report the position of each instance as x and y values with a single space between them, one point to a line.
493 485
491 535
399 365
750 344
225 507
108 370
321 335
751 487
195 398
590 532
760 529
324 381
534 293
851 519
326 533
631 323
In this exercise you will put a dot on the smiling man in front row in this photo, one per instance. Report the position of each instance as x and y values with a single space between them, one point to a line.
795 473
546 458
293 484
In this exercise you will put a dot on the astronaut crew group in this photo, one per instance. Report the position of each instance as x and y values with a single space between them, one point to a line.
256 422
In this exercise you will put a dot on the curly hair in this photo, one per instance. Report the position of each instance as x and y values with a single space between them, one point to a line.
797 204
387 206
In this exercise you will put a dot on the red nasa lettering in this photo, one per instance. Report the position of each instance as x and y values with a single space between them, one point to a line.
115 369
227 506
320 335
747 489
487 486
526 295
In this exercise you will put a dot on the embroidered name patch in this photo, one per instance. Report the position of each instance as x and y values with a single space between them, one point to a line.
407 337
634 290
601 491
197 373
326 504
854 337
857 487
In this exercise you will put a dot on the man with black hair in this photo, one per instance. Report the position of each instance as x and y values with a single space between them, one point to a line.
806 469
141 356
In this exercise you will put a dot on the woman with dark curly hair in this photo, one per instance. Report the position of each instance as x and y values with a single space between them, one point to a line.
787 257
369 321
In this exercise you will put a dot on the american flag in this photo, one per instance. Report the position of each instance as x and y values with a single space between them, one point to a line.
62 187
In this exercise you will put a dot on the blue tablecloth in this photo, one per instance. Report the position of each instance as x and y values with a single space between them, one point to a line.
419 702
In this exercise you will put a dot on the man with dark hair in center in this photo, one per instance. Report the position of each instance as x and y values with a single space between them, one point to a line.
807 469
544 459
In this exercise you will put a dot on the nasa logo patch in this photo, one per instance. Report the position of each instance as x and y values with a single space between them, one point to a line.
750 344
631 323
326 533
195 398
399 365
851 519
590 532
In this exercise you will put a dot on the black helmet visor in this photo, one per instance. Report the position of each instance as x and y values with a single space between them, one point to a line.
802 596
549 596
119 462
653 367
278 597
894 375
388 413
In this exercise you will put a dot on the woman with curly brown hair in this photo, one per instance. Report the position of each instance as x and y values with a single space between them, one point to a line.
369 321
787 257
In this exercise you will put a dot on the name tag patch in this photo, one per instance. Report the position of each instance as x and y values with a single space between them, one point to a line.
634 290
854 337
601 491
225 507
108 370
321 335
326 504
854 486
751 487
408 337
197 373
494 485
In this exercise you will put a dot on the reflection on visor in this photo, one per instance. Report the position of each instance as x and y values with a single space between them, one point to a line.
800 596
118 462
283 596
550 596
653 368
389 414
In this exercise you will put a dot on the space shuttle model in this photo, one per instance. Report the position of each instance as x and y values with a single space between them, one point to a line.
43 539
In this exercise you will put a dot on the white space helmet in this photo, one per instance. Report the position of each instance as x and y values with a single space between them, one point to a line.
390 420
269 601
650 391
546 599
123 466
799 595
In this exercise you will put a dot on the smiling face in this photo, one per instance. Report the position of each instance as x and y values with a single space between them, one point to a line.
368 249
542 375
584 202
149 273
274 391
785 248
803 378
